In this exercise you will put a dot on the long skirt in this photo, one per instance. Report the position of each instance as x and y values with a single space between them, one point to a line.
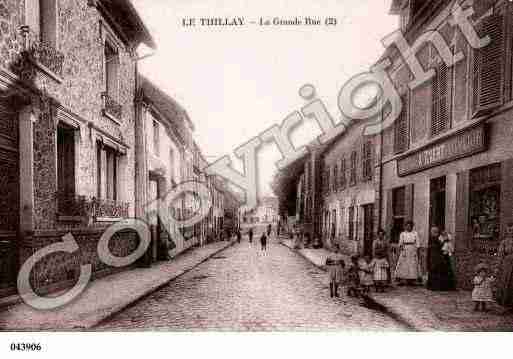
505 282
408 264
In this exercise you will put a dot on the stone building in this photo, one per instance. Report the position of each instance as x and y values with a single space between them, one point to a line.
448 160
349 215
67 84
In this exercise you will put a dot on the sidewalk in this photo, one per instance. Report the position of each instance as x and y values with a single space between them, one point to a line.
107 296
425 310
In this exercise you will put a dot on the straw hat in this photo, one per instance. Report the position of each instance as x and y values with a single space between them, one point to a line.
481 266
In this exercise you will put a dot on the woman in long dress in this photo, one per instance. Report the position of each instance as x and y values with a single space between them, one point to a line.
407 270
441 276
504 282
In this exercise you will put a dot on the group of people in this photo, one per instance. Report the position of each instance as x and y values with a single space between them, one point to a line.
263 238
363 273
366 272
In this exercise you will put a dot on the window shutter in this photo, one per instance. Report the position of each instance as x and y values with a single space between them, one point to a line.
489 65
401 129
440 101
335 178
353 168
343 173
367 160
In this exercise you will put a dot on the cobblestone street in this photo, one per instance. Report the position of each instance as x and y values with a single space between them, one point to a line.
242 289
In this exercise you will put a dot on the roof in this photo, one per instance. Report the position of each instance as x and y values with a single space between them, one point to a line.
165 103
126 19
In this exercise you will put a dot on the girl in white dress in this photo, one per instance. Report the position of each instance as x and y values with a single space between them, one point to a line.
407 270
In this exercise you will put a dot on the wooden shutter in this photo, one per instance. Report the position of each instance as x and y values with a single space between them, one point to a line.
489 65
343 182
335 178
401 140
367 160
440 100
353 168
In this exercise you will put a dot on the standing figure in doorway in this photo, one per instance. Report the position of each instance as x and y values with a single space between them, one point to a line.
407 270
440 273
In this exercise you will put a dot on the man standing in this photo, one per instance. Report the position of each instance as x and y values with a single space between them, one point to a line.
263 241
269 229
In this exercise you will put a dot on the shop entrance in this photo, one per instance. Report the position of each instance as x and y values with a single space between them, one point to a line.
437 203
368 227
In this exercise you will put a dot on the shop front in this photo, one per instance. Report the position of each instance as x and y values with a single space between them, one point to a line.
461 183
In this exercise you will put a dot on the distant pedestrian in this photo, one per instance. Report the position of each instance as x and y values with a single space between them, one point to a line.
269 230
482 292
263 241
250 235
239 235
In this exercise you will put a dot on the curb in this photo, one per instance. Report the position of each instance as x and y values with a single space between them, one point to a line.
150 291
372 302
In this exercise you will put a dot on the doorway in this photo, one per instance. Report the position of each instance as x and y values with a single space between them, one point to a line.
368 229
437 203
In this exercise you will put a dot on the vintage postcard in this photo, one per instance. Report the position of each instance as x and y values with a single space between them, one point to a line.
255 166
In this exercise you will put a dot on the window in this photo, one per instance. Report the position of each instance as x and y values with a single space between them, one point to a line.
351 223
156 138
41 17
335 178
341 221
172 165
327 177
343 182
107 171
367 160
441 100
111 70
48 22
65 161
401 138
485 204
398 212
352 178
489 65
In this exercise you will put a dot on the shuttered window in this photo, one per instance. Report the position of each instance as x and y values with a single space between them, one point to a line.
401 138
352 179
489 65
441 100
335 178
343 181
367 160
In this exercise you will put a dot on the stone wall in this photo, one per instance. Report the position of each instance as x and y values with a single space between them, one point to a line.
58 268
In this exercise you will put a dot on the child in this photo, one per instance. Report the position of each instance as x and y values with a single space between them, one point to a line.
379 266
353 279
335 267
482 292
365 271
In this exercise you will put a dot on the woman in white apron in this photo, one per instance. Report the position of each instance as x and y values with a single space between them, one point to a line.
408 270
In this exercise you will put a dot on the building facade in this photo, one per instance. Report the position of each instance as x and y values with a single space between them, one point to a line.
447 161
349 214
67 83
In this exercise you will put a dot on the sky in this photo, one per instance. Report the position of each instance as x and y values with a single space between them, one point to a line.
235 82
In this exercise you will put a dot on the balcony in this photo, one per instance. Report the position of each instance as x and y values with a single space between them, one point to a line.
111 108
105 209
47 59
82 209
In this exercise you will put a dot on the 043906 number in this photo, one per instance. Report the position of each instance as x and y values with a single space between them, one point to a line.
26 347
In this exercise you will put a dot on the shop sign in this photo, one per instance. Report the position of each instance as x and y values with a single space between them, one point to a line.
460 145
